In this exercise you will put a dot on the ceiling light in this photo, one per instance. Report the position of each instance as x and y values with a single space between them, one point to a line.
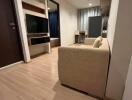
90 4
48 8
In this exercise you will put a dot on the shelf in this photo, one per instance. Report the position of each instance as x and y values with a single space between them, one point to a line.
36 34
39 40
35 3
34 13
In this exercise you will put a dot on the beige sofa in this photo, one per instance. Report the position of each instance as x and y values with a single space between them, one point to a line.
85 68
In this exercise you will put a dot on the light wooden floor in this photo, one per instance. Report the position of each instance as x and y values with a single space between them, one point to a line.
37 80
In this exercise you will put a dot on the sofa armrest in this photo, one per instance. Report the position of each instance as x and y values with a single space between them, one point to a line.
84 65
89 41
86 56
84 68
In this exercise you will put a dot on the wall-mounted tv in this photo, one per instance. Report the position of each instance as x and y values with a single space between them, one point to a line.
36 24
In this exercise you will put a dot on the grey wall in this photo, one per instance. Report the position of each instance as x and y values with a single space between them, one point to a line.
121 48
128 87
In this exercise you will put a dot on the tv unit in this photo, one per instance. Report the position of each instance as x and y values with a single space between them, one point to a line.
36 24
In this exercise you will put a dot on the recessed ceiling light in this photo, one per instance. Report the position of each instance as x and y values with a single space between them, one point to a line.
90 4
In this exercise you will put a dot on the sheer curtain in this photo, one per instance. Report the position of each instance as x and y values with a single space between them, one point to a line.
83 17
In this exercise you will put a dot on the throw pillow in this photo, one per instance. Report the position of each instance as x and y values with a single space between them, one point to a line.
97 42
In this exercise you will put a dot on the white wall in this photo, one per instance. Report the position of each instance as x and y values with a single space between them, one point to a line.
121 49
128 87
112 22
68 22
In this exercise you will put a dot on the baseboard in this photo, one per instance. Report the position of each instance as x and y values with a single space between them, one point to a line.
11 65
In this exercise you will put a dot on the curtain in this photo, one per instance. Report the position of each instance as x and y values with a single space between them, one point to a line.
53 24
84 14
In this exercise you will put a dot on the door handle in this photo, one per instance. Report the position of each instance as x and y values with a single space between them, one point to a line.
12 24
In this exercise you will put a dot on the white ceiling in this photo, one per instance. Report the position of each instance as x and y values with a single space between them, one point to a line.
84 3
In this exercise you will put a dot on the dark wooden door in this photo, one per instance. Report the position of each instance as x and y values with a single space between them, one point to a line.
10 46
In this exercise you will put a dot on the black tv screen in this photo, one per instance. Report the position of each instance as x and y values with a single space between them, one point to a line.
36 24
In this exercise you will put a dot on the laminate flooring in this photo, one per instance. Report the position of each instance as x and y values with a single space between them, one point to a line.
36 80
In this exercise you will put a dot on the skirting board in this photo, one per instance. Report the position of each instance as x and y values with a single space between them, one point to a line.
11 65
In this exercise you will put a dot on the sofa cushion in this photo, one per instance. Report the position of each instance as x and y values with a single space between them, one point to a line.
97 42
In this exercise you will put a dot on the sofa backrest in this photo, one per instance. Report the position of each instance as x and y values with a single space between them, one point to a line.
89 41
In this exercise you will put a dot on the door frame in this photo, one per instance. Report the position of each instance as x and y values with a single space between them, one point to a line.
58 8
22 29
17 28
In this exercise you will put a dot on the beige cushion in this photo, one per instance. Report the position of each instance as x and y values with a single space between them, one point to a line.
97 42
100 37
